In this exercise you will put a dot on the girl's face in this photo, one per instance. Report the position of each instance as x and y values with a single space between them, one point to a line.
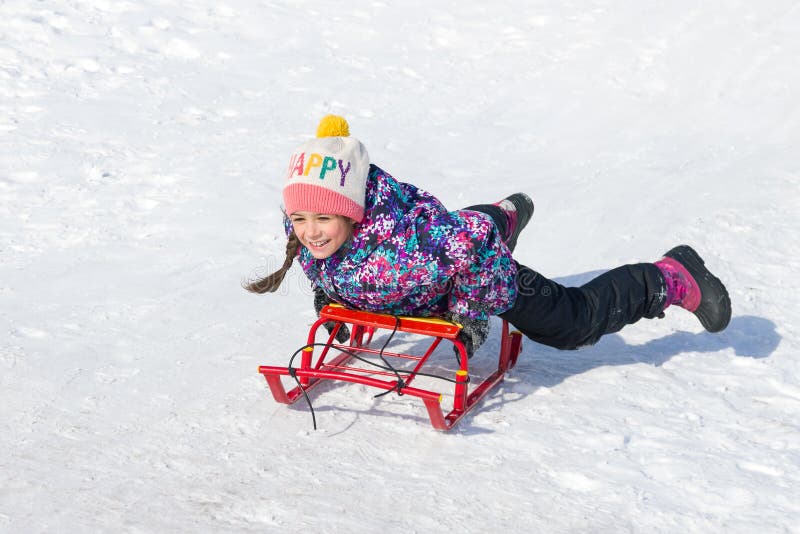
320 233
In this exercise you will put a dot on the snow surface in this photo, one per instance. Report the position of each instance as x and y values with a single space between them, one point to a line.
143 145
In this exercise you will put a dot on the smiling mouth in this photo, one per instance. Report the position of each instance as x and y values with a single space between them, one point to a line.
319 244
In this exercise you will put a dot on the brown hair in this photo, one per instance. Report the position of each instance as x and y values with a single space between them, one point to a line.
273 281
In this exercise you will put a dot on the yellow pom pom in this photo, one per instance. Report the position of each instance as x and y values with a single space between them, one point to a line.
333 126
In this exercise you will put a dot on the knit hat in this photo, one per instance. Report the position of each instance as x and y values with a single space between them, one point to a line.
328 174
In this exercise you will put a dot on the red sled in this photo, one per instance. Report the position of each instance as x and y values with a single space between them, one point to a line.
385 376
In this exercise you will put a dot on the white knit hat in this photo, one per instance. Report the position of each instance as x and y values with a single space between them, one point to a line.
328 174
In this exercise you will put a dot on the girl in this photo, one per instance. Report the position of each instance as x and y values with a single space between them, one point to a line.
372 243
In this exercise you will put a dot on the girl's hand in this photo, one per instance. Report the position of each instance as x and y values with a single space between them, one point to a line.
320 301
473 332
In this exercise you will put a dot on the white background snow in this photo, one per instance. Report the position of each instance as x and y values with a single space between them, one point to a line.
142 150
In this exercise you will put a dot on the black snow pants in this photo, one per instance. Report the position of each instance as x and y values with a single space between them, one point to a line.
572 317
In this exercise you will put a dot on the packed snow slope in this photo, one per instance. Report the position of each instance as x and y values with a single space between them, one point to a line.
142 149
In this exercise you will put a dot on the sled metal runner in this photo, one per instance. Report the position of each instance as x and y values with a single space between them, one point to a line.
327 366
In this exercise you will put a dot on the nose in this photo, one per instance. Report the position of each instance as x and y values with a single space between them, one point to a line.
312 229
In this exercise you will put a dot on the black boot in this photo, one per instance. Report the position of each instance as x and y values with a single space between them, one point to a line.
713 304
519 210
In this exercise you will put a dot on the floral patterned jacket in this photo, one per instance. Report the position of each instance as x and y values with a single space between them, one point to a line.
410 256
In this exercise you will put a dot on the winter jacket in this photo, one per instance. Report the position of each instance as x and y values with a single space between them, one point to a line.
410 256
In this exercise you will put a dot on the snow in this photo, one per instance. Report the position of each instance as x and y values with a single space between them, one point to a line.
141 149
